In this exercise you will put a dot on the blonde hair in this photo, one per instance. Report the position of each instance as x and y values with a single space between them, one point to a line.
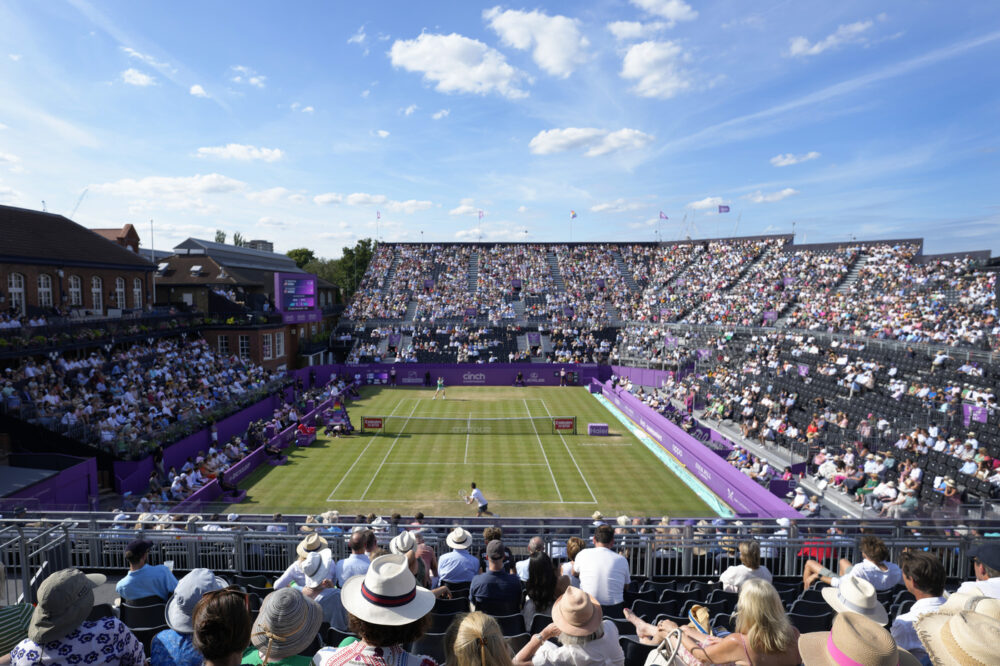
762 619
573 547
750 554
479 642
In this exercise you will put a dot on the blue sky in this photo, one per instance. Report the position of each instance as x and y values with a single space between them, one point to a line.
301 122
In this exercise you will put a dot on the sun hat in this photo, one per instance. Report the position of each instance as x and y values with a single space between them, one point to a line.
312 542
858 596
576 612
402 543
387 594
854 640
190 589
784 522
622 520
459 539
961 601
233 517
966 637
597 515
286 624
988 553
316 566
65 599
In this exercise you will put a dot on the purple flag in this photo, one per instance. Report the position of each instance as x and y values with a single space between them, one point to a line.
378 215
723 209
480 214
973 413
669 342
803 370
663 217
704 353
770 315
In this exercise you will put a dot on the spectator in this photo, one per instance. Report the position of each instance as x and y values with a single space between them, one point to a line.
14 618
489 534
857 596
923 575
60 632
221 622
388 612
749 567
459 565
495 589
174 646
875 567
976 629
355 564
603 573
573 547
585 638
293 574
763 635
542 588
854 640
405 543
535 545
319 571
286 624
986 565
144 580
478 642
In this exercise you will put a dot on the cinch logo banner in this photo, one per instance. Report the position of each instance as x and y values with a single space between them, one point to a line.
474 378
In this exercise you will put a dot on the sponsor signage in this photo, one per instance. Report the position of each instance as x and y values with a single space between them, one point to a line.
563 424
372 422
474 378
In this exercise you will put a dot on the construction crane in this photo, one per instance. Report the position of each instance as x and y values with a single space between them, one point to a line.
78 202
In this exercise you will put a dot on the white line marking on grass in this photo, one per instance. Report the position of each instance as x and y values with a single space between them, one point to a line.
389 452
491 464
542 449
458 501
571 456
468 432
370 441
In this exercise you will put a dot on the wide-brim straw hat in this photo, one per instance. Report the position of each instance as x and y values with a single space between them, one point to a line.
287 623
312 542
577 613
965 638
854 640
856 596
459 538
387 594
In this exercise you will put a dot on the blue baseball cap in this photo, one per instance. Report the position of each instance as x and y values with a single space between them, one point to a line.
987 552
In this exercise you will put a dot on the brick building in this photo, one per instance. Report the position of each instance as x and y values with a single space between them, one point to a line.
48 262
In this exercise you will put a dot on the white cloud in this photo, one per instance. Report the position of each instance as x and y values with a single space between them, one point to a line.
522 209
556 43
707 203
672 10
596 141
272 222
15 57
134 77
10 195
844 34
328 198
9 159
616 206
656 68
180 193
408 111
760 197
464 208
409 206
3 127
359 38
244 153
244 74
788 159
365 199
458 64
501 232
629 30
308 109
382 133
365 94
198 91
443 113
148 59
269 196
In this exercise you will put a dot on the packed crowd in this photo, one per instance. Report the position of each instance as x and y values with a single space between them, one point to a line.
374 298
449 295
500 266
653 268
593 282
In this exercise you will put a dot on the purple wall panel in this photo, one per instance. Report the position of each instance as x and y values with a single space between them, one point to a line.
70 488
475 374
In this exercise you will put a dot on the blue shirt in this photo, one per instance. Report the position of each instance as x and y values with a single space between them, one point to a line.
170 648
458 566
352 565
149 581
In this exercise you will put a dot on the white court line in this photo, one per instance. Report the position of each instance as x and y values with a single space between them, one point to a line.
571 456
370 441
468 432
389 452
457 501
542 448
485 462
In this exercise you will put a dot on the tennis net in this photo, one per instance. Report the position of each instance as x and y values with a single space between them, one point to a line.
428 425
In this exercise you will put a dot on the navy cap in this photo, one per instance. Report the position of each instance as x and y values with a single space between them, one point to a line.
987 552
138 548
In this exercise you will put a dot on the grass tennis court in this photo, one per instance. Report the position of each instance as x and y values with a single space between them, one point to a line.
535 474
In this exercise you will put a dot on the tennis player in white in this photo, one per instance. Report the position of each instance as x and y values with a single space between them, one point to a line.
481 503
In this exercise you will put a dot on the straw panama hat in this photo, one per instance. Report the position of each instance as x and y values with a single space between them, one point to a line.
312 542
960 601
857 596
597 515
854 640
288 621
965 638
576 613
459 539
388 594
402 543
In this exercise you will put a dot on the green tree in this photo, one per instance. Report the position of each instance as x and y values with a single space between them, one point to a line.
302 256
220 236
238 240
352 265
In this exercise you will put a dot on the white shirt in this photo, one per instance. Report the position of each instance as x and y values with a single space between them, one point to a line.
989 588
477 495
733 577
869 571
902 627
521 567
604 651
603 574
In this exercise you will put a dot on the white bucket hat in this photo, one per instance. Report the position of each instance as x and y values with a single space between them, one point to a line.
316 567
857 596
388 594
459 539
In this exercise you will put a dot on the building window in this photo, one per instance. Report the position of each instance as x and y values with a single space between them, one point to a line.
45 290
224 345
75 291
137 293
15 285
120 301
279 344
265 347
97 293
245 346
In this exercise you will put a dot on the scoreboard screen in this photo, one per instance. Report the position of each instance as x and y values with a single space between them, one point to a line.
295 292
